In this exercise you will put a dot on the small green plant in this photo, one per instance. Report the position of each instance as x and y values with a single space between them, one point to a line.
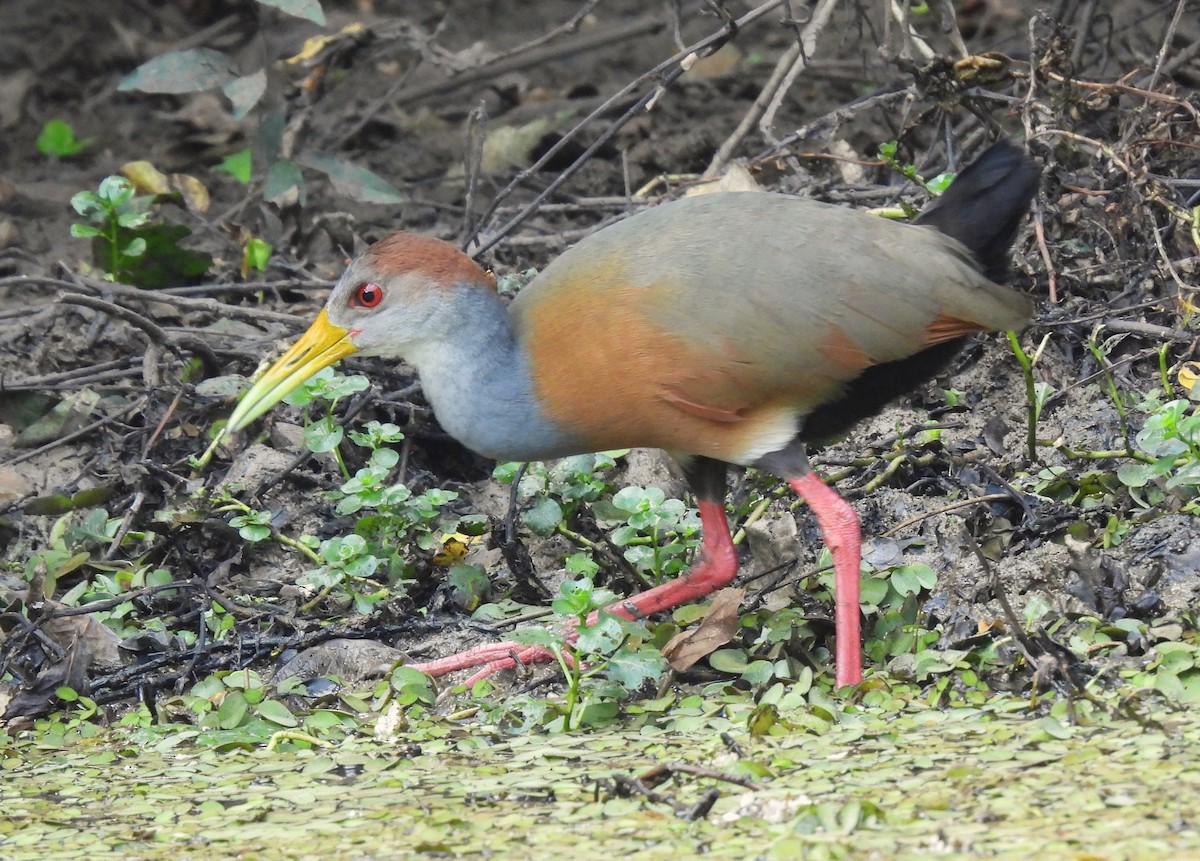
327 386
935 186
658 533
555 492
254 526
238 707
373 562
602 663
76 721
256 255
113 210
1037 393
1171 438
392 520
1118 396
58 139
239 165
72 552
128 245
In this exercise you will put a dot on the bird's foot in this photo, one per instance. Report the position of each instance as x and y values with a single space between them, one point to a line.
714 569
491 658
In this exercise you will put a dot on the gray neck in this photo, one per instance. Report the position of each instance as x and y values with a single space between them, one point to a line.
476 377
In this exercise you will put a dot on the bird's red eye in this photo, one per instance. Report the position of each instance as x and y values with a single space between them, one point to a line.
367 296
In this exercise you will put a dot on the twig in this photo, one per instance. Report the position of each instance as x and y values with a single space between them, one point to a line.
962 503
833 119
647 24
656 774
136 406
1082 34
568 26
804 48
126 522
1150 330
950 27
1039 232
899 12
221 309
152 330
110 603
668 71
1168 36
245 287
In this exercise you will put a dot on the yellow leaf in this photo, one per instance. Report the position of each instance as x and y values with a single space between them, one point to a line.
454 548
317 44
146 178
1188 374
195 194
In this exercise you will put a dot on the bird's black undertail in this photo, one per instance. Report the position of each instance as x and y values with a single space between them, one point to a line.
982 209
984 205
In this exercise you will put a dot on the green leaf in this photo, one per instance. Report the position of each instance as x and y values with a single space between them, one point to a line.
177 72
632 668
1036 608
353 181
623 535
323 435
1054 728
759 672
239 165
505 471
598 714
470 583
257 254
911 579
941 182
233 710
535 636
208 687
582 564
729 661
284 184
244 92
115 190
307 9
1135 474
58 139
873 590
543 518
601 638
87 203
163 260
276 712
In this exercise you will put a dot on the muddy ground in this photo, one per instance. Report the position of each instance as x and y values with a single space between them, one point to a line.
462 108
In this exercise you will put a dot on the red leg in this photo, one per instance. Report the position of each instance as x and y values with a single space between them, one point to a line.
715 567
842 534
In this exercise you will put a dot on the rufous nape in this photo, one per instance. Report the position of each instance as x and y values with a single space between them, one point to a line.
727 328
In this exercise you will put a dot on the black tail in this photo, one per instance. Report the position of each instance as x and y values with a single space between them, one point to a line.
984 205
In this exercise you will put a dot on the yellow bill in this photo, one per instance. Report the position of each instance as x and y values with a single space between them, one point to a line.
321 346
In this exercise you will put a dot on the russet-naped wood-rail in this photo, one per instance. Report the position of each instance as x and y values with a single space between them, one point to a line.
726 328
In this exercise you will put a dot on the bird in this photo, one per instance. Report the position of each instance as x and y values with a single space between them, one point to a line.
731 328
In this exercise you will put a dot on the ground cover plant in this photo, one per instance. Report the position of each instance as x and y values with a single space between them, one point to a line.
175 200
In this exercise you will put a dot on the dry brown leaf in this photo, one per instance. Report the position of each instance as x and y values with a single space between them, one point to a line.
717 629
